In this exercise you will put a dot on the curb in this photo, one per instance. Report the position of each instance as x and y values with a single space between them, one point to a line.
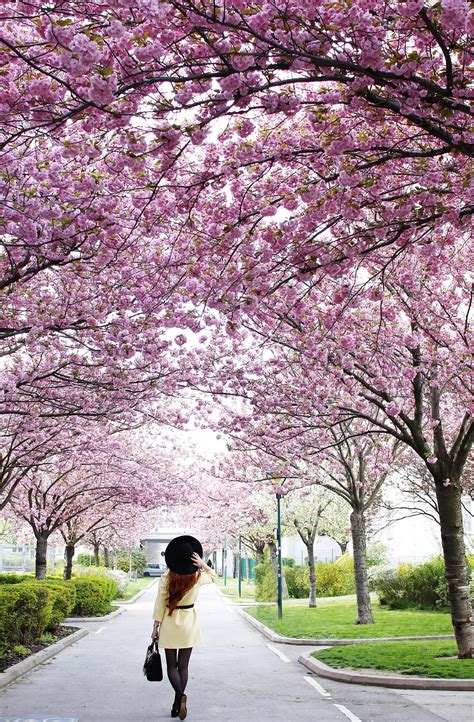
105 618
397 682
34 660
274 637
132 600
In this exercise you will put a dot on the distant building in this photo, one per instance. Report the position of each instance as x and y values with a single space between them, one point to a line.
154 545
325 549
21 557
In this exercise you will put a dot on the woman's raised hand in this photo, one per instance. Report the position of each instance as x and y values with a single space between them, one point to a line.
197 561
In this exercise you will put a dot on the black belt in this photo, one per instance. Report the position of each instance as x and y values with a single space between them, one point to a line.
185 606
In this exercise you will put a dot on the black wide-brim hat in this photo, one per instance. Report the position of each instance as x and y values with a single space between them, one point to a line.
178 554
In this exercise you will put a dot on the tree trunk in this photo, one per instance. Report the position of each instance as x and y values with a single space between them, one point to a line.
274 560
106 557
41 559
312 574
96 547
259 551
457 570
364 608
342 546
69 554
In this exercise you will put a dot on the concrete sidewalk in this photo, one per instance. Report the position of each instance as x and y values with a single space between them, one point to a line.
237 676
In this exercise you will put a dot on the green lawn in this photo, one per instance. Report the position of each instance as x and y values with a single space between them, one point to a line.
335 620
232 589
427 659
134 586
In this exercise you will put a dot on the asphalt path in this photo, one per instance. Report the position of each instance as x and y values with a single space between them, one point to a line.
236 676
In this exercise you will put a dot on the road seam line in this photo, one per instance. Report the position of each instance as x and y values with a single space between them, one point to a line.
99 630
350 715
323 692
276 651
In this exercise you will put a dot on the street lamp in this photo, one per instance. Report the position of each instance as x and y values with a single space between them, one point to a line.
279 494
225 561
240 565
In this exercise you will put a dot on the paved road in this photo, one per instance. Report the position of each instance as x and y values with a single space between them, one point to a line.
234 677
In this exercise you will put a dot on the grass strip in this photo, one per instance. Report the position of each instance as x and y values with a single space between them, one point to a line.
134 586
336 620
436 659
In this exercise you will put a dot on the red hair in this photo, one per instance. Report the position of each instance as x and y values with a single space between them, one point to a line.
178 586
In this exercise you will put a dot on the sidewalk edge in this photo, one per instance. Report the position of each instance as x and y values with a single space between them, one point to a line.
364 678
274 637
34 660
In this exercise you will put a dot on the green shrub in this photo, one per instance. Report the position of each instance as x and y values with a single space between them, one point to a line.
63 598
423 585
25 612
14 578
389 584
93 595
265 582
333 579
89 598
297 581
109 587
86 560
137 558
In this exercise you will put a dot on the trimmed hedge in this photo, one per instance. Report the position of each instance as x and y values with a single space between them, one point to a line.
63 595
15 578
93 595
28 609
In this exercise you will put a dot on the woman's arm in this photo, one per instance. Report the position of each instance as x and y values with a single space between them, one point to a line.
210 574
155 632
160 608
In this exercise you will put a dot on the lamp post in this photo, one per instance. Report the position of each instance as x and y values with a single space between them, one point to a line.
280 571
279 494
240 566
225 561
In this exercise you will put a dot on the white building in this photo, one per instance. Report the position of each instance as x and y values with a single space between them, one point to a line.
412 537
325 549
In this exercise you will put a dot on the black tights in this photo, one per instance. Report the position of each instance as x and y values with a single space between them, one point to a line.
177 662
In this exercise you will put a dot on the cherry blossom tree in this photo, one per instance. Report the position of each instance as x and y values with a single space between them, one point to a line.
396 360
294 175
304 510
73 493
344 94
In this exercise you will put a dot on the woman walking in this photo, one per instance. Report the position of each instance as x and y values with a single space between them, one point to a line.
176 623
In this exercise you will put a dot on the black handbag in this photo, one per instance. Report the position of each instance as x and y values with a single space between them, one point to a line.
152 668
